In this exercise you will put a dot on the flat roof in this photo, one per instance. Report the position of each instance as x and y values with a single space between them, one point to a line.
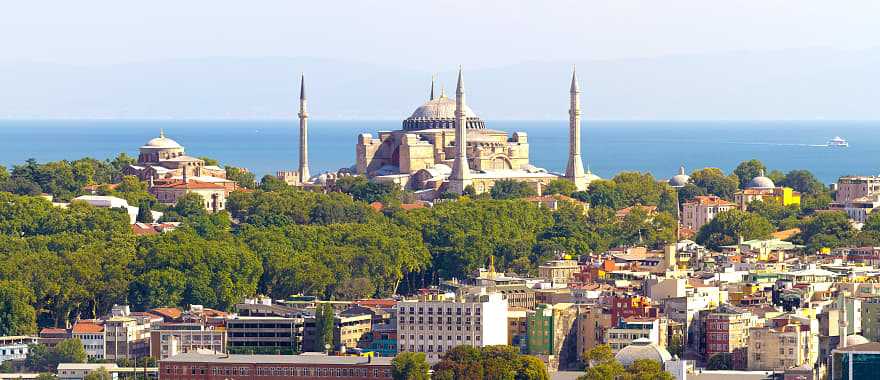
192 357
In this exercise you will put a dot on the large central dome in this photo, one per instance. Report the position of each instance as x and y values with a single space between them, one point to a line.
440 113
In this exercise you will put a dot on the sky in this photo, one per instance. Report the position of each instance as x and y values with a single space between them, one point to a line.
638 59
424 35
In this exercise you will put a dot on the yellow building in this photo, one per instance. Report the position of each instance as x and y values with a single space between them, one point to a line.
763 189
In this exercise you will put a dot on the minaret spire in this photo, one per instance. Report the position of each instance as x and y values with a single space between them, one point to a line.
461 173
574 171
433 78
303 133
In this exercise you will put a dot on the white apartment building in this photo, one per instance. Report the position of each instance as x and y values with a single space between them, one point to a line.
169 339
702 209
91 334
634 328
438 322
15 347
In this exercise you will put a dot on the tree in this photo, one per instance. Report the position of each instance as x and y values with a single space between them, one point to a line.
804 182
634 188
531 368
747 170
272 183
872 223
355 288
713 181
410 366
560 186
210 161
17 316
646 369
689 191
98 374
190 205
604 193
729 226
70 351
46 376
324 325
145 215
489 362
601 364
721 361
241 176
509 189
826 230
782 217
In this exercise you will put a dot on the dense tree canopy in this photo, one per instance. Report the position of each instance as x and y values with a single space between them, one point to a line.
490 362
729 226
713 181
510 189
747 170
410 366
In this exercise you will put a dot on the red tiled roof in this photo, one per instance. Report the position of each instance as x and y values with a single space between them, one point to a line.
411 206
622 213
141 229
378 206
376 302
87 327
53 330
190 184
166 312
709 200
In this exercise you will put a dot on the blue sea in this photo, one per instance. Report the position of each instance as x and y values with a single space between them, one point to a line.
659 147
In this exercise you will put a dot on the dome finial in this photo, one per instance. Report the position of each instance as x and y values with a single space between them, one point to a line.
681 169
761 173
161 133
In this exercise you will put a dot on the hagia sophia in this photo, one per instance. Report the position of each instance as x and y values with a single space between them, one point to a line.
444 146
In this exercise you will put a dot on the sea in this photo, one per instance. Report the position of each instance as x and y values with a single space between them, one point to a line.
609 147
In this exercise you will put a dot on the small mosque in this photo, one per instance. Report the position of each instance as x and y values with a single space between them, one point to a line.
444 146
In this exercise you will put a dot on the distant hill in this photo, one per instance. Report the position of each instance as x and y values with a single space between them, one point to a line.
792 84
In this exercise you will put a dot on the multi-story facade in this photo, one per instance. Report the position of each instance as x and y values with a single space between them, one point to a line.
126 337
194 366
15 347
169 339
631 329
438 322
852 187
517 328
702 209
784 343
383 340
778 195
552 331
727 330
264 334
91 334
870 315
625 306
592 322
51 336
558 271
859 208
855 362
351 330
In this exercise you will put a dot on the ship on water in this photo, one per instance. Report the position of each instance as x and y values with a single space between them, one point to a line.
838 142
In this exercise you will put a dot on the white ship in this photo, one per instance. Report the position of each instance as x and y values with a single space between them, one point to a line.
838 142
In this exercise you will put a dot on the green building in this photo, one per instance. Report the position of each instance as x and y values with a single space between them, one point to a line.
552 332
856 362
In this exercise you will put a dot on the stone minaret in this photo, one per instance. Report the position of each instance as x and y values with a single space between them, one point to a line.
843 320
461 173
303 133
574 172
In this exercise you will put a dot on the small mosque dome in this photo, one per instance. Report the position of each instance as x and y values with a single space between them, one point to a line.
162 142
642 349
761 182
681 179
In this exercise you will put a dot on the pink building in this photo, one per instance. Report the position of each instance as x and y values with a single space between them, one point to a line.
702 209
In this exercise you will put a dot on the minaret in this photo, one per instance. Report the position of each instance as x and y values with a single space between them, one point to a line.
842 320
433 78
461 173
303 133
574 172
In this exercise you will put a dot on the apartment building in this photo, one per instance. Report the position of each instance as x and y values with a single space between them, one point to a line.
628 330
552 331
702 209
785 342
91 333
727 330
277 335
169 339
15 347
436 323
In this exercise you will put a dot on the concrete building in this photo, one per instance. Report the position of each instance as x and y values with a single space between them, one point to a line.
517 328
628 330
593 321
78 371
785 342
170 191
559 271
702 209
91 334
264 334
436 323
552 332
350 330
859 208
194 366
126 336
15 347
51 336
727 330
169 339
163 157
856 362
852 187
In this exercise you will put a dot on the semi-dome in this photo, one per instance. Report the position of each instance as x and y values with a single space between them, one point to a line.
854 340
761 182
440 113
590 177
642 349
681 179
162 142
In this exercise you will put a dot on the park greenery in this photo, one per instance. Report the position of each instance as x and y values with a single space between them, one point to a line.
59 264
603 366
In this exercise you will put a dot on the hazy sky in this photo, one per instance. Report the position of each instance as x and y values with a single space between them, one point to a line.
424 34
